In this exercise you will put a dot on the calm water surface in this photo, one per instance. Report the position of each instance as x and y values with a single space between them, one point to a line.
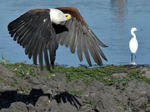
110 20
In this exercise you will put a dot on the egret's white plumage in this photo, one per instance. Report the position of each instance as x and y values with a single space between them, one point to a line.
133 45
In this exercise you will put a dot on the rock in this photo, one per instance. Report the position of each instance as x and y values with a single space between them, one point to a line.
18 107
107 103
41 73
120 97
59 77
86 108
67 107
46 90
136 89
146 72
98 85
31 108
32 80
8 88
90 93
148 93
58 83
147 109
138 93
54 106
5 110
140 102
4 72
75 85
119 75
43 104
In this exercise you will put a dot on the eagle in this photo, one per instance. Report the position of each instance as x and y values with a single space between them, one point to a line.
40 31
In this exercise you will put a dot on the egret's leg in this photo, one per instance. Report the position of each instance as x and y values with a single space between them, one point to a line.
131 57
135 58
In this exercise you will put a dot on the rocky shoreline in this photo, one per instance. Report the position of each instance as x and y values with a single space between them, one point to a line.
55 94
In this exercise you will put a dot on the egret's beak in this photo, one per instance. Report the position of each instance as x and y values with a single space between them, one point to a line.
139 30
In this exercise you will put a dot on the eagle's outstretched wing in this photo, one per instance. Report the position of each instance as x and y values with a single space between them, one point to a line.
81 36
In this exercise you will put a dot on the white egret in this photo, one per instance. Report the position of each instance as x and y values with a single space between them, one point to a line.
133 45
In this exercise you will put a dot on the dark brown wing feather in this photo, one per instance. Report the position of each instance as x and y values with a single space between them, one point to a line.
79 34
33 30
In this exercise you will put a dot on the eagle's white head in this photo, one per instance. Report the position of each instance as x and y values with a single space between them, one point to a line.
58 16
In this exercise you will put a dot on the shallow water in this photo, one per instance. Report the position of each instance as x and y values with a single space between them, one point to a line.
110 20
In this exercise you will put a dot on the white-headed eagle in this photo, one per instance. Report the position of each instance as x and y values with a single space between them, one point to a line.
42 30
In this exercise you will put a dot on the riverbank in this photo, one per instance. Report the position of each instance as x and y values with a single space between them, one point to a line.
24 88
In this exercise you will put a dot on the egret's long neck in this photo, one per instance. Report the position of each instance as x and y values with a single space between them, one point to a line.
133 34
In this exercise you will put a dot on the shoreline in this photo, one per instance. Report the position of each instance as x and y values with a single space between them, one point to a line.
110 88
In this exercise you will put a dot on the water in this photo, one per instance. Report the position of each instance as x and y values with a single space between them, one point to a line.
110 20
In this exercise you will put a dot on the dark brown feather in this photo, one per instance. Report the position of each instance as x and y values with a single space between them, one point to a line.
85 49
46 59
79 34
33 33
